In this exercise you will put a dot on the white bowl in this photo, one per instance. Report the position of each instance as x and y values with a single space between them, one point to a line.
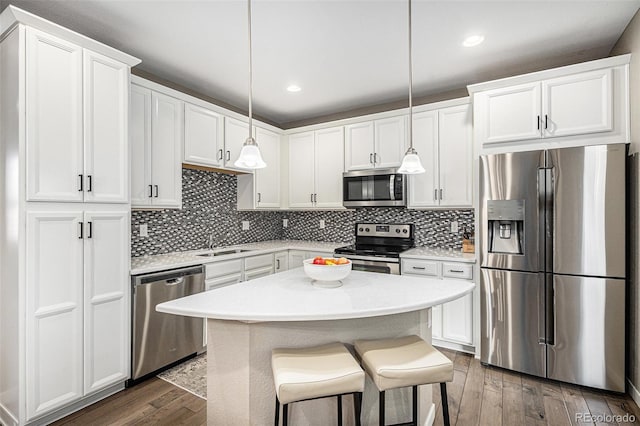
326 275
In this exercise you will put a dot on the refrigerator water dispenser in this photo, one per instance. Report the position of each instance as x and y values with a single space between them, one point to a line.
506 226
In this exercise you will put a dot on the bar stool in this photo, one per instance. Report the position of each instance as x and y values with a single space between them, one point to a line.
403 362
302 374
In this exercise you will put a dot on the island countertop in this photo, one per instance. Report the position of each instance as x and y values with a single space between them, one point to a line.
290 296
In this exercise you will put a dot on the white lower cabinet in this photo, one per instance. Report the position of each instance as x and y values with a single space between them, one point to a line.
297 256
281 261
77 305
452 322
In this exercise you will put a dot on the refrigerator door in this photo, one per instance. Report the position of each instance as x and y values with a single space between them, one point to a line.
588 342
509 211
512 320
589 210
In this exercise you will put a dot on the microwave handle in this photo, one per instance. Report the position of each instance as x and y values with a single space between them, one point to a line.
392 184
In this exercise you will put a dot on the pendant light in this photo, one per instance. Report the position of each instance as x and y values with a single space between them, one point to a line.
411 164
250 157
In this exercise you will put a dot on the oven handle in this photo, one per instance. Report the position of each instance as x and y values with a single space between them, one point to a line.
372 258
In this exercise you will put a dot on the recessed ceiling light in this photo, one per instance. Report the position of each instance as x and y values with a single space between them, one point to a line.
473 40
293 88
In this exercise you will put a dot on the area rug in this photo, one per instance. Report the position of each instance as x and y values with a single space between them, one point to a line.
191 376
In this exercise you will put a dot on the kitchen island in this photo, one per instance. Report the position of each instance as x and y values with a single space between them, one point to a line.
247 320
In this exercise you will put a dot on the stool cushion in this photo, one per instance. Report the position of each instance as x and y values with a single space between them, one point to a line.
404 361
306 373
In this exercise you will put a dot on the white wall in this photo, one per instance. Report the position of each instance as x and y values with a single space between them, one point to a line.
629 42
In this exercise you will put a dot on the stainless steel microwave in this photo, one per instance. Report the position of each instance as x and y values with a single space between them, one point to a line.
374 188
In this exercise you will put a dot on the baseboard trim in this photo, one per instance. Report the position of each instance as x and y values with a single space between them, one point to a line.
633 392
6 418
453 346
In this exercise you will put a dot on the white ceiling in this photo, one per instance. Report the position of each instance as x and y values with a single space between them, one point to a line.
344 54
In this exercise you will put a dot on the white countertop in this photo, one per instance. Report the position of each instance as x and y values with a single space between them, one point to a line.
161 262
290 296
433 253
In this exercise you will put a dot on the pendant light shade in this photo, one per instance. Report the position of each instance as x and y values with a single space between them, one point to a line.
411 164
250 157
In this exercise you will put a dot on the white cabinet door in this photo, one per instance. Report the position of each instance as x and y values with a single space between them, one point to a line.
455 154
53 118
436 322
578 104
281 261
509 114
203 136
359 146
423 188
106 299
166 150
329 166
106 133
141 189
268 179
295 258
54 325
390 141
236 133
301 170
457 320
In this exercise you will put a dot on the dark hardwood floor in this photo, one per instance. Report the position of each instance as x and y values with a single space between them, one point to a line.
478 395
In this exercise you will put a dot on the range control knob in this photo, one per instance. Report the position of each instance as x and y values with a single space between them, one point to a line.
360 229
397 231
366 229
404 231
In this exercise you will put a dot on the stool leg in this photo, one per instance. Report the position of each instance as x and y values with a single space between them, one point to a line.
339 410
445 404
357 406
285 414
381 407
277 412
415 405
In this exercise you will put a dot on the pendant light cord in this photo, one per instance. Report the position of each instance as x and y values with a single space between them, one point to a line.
250 69
410 85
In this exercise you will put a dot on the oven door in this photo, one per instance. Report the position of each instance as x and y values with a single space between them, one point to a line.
371 188
373 264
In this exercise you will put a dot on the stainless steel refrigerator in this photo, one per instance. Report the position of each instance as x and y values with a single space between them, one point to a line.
552 252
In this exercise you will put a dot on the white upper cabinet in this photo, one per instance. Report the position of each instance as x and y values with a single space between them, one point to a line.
329 166
380 143
315 168
577 105
76 123
166 151
203 136
106 137
390 141
267 180
156 147
359 146
236 133
444 141
301 170
55 169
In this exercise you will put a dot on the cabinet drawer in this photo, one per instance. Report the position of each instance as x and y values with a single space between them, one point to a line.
420 267
258 273
258 261
223 281
457 270
219 269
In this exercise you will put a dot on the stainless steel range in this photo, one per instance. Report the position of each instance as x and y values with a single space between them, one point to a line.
378 247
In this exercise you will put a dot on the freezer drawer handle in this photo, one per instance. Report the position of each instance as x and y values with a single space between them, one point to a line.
175 281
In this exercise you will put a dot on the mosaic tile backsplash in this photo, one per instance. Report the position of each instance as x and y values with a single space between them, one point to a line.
209 208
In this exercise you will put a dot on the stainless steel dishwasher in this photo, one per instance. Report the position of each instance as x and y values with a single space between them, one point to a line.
159 339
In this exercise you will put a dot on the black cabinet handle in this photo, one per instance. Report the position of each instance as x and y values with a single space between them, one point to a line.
81 179
277 263
371 158
457 271
89 183
80 228
311 197
538 119
150 191
546 121
228 156
220 154
156 188
259 197
375 157
90 231
420 268
435 195
440 193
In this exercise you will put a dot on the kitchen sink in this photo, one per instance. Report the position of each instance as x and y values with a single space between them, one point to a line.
224 252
